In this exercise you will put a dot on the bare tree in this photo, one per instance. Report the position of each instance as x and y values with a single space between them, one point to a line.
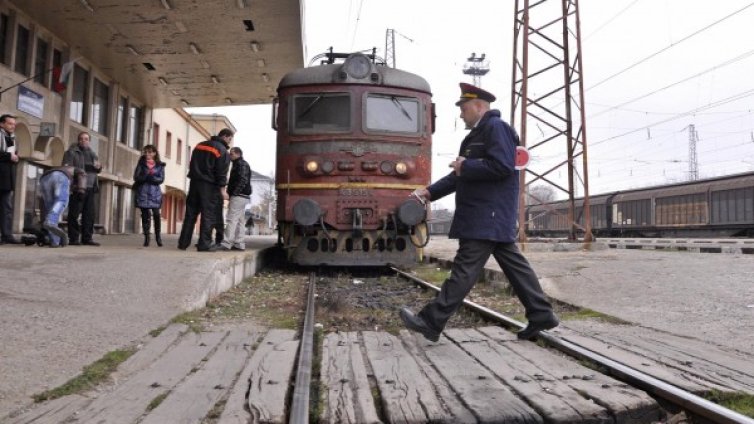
540 194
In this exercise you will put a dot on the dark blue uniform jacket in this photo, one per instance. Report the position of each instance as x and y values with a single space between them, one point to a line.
487 190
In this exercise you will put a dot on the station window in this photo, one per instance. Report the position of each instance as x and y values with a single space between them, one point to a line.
178 151
121 120
135 121
168 144
22 50
100 106
392 114
156 136
57 65
79 94
40 63
3 37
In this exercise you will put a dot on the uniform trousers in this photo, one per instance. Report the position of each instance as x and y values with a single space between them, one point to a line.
6 214
467 266
86 208
203 199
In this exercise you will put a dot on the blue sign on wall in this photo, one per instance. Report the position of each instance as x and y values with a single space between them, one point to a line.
31 102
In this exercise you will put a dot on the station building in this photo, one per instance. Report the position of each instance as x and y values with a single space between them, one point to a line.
124 73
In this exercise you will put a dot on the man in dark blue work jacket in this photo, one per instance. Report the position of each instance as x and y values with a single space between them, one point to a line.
485 181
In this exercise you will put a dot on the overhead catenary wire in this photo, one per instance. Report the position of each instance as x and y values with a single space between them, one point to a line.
609 20
717 103
671 85
671 45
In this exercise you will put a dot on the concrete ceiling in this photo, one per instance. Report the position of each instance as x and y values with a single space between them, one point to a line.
201 50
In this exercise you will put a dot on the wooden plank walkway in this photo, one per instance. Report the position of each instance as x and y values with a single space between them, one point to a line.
483 375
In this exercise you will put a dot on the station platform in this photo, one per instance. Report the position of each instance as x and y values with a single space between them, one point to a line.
63 308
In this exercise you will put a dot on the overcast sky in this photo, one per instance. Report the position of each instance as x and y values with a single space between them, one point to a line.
651 69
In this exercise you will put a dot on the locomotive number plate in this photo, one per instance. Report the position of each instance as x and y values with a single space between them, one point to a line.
353 192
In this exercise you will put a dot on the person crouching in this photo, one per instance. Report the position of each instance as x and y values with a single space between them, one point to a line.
54 190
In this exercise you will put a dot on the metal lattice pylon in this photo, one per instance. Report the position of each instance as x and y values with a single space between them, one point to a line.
390 48
548 89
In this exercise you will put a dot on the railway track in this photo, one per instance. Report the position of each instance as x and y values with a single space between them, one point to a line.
362 370
682 399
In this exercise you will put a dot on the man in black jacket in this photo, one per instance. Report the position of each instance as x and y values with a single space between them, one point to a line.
81 156
239 191
8 161
208 171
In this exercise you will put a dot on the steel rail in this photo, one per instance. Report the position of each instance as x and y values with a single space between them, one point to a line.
300 402
669 392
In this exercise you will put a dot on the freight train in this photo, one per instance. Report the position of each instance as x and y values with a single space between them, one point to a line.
354 141
715 207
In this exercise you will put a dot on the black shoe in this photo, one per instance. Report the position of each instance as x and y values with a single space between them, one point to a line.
54 229
158 239
415 323
90 243
74 243
533 328
146 240
212 248
12 240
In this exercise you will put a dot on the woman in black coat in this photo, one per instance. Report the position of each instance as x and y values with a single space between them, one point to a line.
148 175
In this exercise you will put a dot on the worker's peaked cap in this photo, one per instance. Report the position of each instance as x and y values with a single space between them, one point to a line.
470 92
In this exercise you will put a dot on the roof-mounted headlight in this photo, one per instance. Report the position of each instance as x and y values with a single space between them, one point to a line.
357 66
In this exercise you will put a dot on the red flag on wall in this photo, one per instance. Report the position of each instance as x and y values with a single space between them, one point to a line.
61 76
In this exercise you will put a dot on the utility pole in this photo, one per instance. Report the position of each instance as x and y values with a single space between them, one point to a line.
390 48
477 67
693 164
548 89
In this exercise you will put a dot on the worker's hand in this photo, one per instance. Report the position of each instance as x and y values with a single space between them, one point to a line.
224 193
421 194
456 165
13 157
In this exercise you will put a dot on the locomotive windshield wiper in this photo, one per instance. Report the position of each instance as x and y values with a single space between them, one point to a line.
398 104
311 105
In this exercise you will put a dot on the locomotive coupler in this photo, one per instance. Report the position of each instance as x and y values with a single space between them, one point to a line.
358 223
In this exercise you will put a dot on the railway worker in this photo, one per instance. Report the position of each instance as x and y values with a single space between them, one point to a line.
54 190
8 161
208 172
81 155
239 191
486 186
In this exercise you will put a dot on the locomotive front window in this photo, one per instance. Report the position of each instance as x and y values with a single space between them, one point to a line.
392 113
315 113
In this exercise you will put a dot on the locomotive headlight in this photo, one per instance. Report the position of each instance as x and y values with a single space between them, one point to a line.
401 168
312 166
358 66
387 167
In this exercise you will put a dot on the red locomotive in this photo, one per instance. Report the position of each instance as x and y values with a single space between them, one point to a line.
353 141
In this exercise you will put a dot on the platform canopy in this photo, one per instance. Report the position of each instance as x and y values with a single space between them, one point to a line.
174 53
